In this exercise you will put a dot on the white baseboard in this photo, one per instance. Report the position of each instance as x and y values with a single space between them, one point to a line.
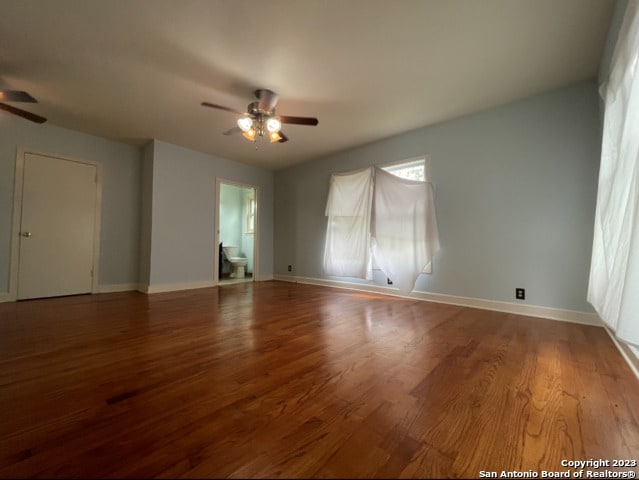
119 287
174 287
519 309
627 352
633 359
6 297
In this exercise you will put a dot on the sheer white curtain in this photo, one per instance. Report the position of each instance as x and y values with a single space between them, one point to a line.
347 249
614 272
405 235
372 210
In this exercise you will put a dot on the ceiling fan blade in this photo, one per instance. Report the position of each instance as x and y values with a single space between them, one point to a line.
267 99
298 120
213 105
283 138
21 113
16 96
233 131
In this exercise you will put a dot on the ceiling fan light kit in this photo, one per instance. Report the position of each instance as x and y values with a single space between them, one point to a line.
252 128
260 119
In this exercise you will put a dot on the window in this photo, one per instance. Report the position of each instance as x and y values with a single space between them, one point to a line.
250 213
411 169
387 213
614 268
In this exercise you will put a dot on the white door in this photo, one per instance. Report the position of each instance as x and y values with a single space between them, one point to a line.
57 227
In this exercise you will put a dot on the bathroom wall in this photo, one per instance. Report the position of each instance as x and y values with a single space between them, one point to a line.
230 215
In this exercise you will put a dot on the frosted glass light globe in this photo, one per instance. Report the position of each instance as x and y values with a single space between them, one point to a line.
245 123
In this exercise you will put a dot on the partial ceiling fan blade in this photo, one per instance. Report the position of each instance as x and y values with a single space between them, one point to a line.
267 99
283 138
213 105
298 120
16 96
233 131
21 113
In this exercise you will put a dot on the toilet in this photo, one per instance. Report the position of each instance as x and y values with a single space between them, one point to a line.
237 263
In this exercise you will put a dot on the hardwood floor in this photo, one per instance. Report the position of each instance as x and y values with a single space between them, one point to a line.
276 379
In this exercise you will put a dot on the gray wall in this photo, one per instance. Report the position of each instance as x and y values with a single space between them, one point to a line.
120 227
515 198
183 213
146 212
158 204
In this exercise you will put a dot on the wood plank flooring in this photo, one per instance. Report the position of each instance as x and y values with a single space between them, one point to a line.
276 379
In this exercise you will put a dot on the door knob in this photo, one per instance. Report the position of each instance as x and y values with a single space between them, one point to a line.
26 234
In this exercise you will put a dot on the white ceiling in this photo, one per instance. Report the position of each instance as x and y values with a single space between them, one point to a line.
138 69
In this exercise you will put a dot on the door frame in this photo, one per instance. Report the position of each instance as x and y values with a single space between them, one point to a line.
17 216
256 229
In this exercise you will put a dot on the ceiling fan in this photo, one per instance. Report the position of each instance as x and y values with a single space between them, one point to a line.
19 96
260 118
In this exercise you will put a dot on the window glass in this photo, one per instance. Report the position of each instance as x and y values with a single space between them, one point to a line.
250 214
411 169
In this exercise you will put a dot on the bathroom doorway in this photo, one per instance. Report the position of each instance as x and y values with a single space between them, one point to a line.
236 227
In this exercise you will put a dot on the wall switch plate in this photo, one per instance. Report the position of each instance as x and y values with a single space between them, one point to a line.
520 293
290 268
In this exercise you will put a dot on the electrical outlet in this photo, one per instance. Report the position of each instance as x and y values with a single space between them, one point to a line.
389 281
520 293
290 268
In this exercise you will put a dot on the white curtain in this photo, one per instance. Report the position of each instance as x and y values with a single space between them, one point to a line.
347 249
614 272
405 235
372 210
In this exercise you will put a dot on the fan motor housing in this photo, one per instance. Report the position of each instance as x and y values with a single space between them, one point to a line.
254 109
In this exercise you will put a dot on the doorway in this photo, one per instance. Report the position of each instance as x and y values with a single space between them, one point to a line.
56 225
236 232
